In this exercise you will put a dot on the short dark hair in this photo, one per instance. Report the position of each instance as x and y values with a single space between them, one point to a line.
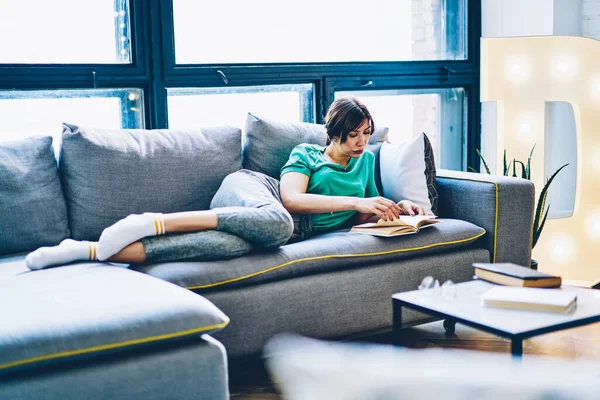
345 115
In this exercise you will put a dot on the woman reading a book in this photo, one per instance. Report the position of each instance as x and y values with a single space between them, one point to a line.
324 188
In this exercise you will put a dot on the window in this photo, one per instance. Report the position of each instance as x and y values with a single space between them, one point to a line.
181 63
64 31
436 112
229 106
273 31
42 112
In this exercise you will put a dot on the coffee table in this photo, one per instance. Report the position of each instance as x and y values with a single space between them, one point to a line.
465 306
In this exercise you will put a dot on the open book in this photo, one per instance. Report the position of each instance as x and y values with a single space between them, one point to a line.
404 225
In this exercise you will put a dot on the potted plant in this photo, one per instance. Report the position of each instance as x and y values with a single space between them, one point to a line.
541 209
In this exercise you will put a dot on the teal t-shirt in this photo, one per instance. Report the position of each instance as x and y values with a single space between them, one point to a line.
331 179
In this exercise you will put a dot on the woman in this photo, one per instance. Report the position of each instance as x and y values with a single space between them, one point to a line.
326 188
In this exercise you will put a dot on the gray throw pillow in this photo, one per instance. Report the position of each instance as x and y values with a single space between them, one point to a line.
109 174
379 137
267 143
32 206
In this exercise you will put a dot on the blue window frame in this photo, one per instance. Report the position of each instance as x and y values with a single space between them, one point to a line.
151 43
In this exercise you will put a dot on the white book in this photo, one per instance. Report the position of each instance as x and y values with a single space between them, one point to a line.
533 299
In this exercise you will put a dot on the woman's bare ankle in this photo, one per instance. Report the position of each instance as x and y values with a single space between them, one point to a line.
132 254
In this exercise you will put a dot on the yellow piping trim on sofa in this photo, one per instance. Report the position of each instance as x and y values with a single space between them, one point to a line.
111 346
496 220
264 271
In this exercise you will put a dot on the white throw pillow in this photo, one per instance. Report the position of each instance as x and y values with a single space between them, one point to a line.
403 172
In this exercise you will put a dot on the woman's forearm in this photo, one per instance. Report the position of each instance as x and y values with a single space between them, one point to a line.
305 203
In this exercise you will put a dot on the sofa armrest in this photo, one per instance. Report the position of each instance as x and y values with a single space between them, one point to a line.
503 206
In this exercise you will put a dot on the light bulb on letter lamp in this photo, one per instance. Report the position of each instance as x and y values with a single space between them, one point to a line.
521 75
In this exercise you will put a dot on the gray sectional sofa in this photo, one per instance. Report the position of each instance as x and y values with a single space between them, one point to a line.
92 330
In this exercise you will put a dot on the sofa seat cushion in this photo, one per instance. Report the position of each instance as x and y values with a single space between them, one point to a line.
329 252
83 310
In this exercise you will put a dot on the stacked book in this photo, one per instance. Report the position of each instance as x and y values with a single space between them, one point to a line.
528 291
515 275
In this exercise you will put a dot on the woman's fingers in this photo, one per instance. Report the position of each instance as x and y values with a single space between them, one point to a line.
386 209
393 208
391 214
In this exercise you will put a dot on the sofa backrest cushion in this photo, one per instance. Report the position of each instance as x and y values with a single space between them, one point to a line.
408 172
267 143
109 174
33 211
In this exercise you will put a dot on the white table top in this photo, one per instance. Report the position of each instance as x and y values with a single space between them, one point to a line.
466 305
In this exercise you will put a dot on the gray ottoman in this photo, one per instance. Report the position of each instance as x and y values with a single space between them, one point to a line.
95 331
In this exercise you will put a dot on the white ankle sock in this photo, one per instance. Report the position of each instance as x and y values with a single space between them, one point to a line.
129 230
67 251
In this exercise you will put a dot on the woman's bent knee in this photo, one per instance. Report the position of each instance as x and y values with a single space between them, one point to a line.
280 231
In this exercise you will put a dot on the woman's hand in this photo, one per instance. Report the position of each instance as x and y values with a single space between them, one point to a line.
409 208
384 208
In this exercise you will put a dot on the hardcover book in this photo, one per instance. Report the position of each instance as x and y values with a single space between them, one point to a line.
515 275
403 225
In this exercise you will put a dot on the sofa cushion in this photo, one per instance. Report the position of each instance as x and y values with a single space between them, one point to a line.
109 174
82 310
328 252
408 172
32 205
267 143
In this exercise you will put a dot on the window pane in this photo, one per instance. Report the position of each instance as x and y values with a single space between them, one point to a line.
437 112
195 107
271 31
64 31
42 112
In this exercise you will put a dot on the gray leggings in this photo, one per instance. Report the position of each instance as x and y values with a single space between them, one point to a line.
250 215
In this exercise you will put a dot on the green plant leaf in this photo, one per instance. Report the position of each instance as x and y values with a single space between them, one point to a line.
528 169
484 163
537 233
506 166
540 216
472 169
523 171
514 164
531 152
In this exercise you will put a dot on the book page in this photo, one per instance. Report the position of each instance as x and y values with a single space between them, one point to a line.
414 221
385 231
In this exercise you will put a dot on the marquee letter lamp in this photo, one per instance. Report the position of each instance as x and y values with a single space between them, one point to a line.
521 74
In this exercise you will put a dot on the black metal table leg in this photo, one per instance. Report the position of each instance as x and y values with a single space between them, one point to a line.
450 325
397 322
516 347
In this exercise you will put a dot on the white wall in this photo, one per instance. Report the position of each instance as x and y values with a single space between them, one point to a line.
500 19
506 18
590 18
